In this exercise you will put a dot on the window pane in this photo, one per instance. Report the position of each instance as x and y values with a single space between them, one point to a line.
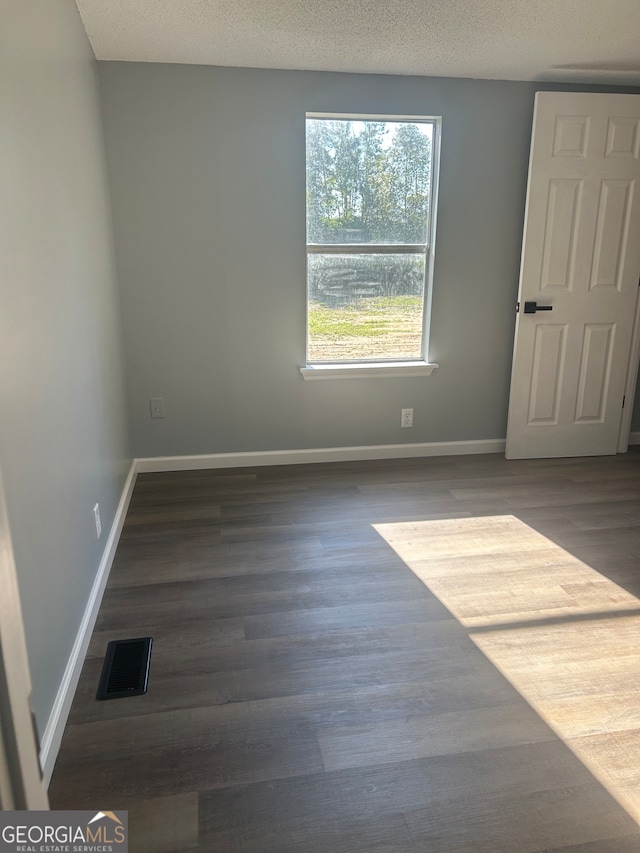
365 307
368 181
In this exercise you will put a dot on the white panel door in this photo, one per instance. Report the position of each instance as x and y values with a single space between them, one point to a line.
580 262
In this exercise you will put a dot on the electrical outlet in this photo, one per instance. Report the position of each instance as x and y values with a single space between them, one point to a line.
156 405
96 518
406 419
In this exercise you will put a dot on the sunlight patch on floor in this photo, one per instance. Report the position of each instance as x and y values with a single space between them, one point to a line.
565 636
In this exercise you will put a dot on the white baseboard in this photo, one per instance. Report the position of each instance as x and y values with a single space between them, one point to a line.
323 454
634 438
58 718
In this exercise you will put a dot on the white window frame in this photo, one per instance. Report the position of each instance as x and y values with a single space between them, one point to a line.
388 367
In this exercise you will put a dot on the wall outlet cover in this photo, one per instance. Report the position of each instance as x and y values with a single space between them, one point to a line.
96 518
156 406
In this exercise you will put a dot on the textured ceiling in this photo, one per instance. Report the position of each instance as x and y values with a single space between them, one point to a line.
596 41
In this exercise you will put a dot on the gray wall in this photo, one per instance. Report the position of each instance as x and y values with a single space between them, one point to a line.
63 431
208 187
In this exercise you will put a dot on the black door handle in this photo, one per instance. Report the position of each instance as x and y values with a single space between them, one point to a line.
532 307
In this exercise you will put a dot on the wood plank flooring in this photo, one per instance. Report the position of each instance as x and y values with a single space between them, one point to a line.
405 656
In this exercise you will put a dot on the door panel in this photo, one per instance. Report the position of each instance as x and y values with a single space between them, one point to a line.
559 252
546 381
581 258
623 138
594 372
570 136
612 233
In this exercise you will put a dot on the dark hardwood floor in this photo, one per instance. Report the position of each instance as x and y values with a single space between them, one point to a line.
401 656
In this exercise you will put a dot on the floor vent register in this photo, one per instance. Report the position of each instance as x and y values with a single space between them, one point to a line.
126 669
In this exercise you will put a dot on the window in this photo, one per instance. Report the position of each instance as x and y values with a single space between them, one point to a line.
370 226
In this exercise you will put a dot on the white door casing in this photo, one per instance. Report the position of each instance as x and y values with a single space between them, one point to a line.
21 784
581 257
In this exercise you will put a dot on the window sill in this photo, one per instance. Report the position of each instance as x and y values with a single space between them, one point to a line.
379 370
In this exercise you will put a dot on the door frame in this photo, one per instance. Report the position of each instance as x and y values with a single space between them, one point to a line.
21 782
632 379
